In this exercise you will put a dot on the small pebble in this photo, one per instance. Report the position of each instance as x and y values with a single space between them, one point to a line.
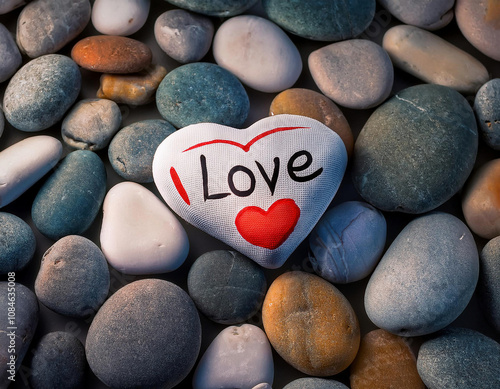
17 243
119 17
429 14
315 383
11 57
489 282
223 8
9 5
183 35
487 109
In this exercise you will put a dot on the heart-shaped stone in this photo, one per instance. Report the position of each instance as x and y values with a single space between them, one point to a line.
261 190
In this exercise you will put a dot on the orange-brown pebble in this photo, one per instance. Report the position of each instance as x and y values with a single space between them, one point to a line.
134 89
111 54
384 361
306 102
310 324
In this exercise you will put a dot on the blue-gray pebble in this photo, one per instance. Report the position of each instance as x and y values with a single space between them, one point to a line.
314 383
202 92
459 358
70 199
321 20
9 52
416 150
17 243
487 108
40 93
226 286
489 282
132 149
222 8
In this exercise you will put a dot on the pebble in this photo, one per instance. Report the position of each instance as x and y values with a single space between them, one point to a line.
427 131
183 35
314 383
202 92
58 362
223 8
489 282
50 85
226 286
46 26
426 278
459 358
487 109
347 242
238 357
356 73
433 59
24 163
91 123
70 199
139 234
320 21
112 54
73 279
258 52
132 149
155 314
429 14
8 5
132 89
17 243
119 17
11 57
310 324
307 102
384 360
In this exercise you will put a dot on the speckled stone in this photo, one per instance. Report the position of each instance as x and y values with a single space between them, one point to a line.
17 243
384 360
310 324
416 150
9 5
428 14
70 199
487 109
119 17
46 26
50 85
11 57
202 92
426 278
91 124
159 316
183 35
226 286
223 8
321 20
132 149
314 383
489 282
459 358
58 362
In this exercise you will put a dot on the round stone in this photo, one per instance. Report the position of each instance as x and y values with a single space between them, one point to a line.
429 14
11 57
119 17
314 383
17 243
489 282
487 109
223 8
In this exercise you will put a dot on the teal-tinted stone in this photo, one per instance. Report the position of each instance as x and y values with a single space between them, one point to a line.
17 243
489 282
487 108
222 8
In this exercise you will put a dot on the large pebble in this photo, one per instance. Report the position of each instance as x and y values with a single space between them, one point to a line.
70 199
9 5
433 59
11 57
238 357
314 383
24 163
258 52
416 150
428 14
310 324
487 109
147 334
223 8
139 234
17 243
50 85
202 92
356 73
489 282
426 278
119 17
46 26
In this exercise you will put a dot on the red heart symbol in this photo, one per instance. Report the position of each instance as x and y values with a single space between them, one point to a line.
268 229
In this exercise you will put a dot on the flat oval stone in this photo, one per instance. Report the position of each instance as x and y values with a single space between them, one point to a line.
50 85
202 92
11 57
487 109
17 243
24 163
459 358
238 357
223 8
427 131
314 383
310 324
426 278
139 234
9 5
165 323
226 286
183 35
347 242
70 199
428 14
489 282
119 17
73 279
258 52
384 360
111 54
46 26
356 73
433 59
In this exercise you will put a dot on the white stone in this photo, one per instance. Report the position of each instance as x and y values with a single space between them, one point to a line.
119 17
139 234
239 357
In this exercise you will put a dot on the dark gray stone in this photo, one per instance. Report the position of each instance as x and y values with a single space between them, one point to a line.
222 8
9 52
315 383
17 243
487 108
489 282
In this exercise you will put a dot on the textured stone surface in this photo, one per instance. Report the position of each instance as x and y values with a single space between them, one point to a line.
487 109
9 5
314 383
11 57
119 17
428 14
489 282
17 243
223 8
